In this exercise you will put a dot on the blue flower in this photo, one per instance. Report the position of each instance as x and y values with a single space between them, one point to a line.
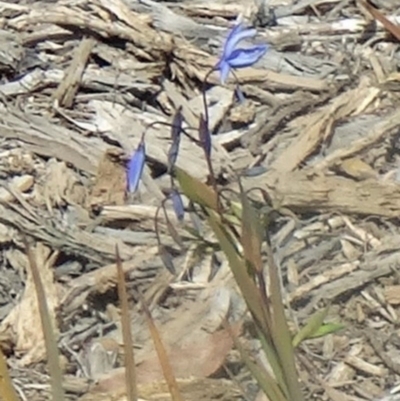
135 167
233 57
177 204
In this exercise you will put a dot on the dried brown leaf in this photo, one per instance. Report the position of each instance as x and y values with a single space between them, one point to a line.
110 183
199 355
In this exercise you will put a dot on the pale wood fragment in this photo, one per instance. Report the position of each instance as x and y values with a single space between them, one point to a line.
66 91
392 294
308 191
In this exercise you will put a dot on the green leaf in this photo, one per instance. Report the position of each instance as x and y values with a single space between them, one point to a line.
272 357
237 264
327 328
196 190
313 325
280 333
251 236
264 379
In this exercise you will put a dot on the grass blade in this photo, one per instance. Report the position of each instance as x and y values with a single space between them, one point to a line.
53 358
280 332
390 26
273 359
251 236
239 270
197 191
263 378
325 329
162 354
130 367
7 390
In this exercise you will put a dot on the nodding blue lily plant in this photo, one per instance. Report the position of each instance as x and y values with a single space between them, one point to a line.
232 57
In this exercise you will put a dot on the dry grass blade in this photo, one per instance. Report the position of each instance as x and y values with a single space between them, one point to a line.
53 358
7 391
130 367
392 28
162 354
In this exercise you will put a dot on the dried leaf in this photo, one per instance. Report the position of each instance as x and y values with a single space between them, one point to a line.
110 182
197 354
195 346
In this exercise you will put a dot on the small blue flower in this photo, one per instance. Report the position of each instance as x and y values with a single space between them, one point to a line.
135 167
233 57
177 204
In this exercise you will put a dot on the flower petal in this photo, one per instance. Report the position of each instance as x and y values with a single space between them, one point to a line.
241 58
238 33
135 167
177 204
230 41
